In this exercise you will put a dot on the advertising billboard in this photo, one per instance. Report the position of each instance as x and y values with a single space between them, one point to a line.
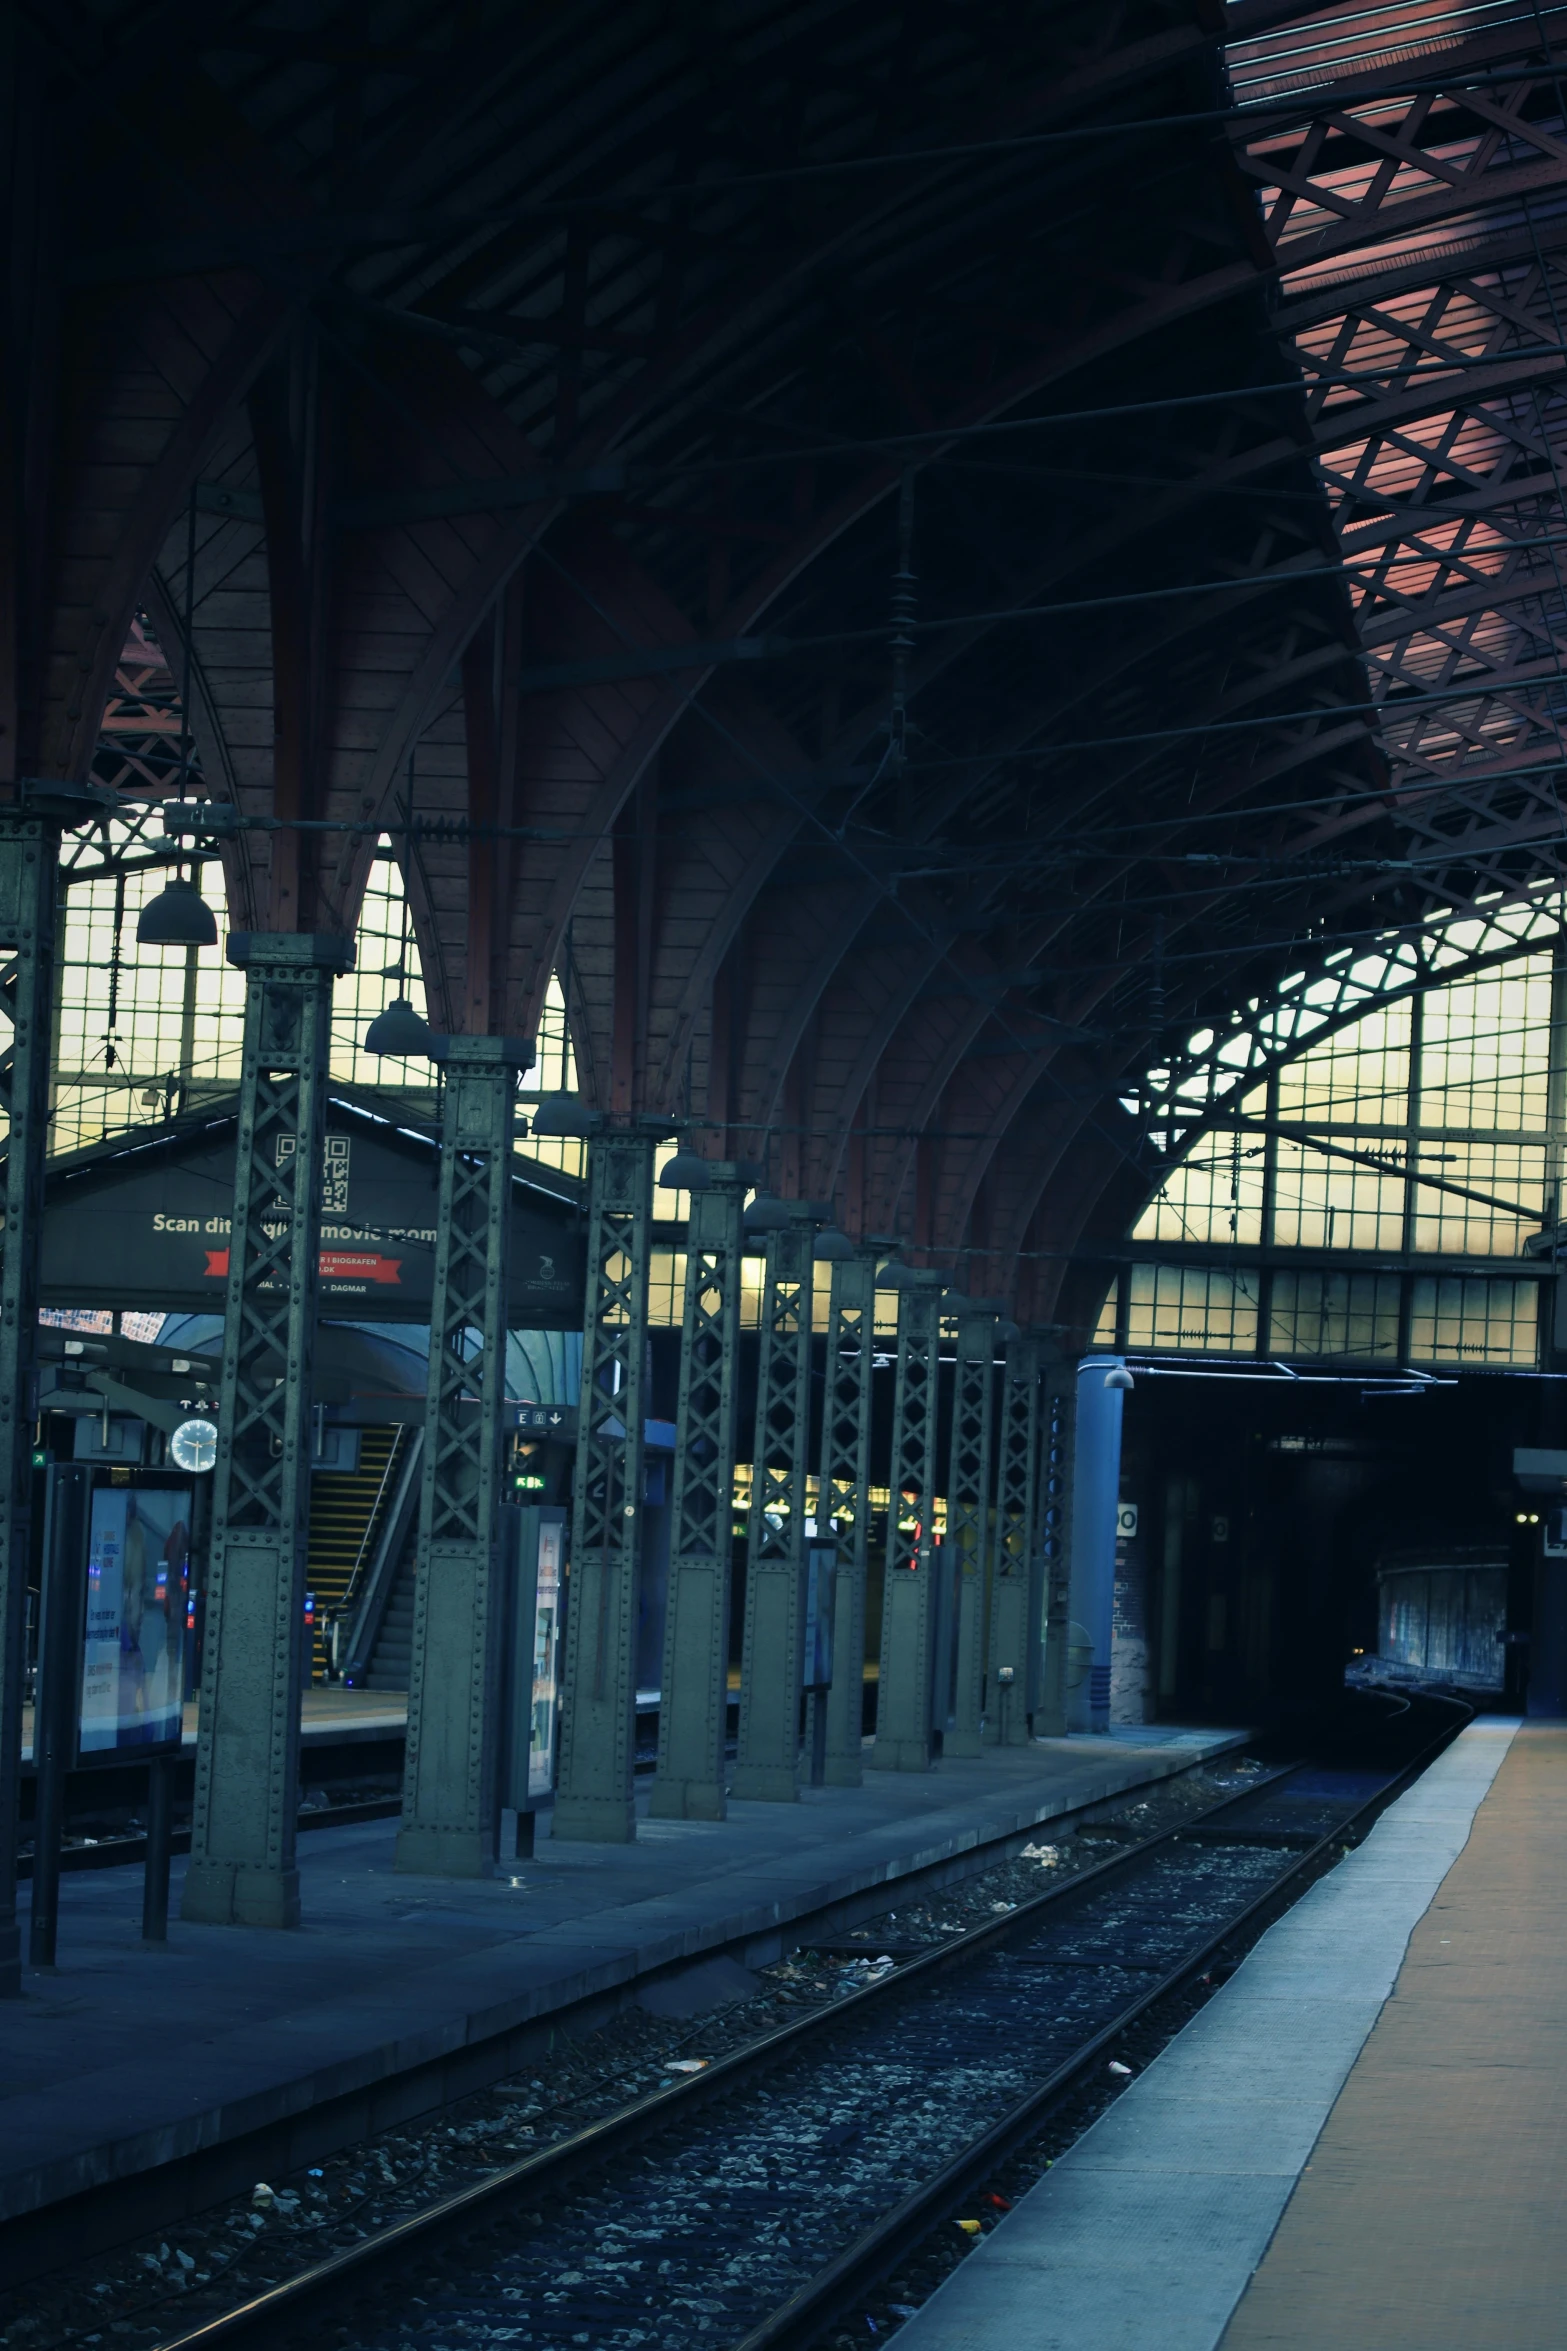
138 1572
145 1223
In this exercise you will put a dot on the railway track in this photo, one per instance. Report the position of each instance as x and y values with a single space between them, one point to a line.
754 2203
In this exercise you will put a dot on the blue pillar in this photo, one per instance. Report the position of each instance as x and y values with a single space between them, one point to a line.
1096 1492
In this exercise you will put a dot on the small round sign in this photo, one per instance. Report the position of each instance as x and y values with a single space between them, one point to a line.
194 1445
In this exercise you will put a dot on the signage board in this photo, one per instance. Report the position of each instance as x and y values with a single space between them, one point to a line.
145 1223
133 1651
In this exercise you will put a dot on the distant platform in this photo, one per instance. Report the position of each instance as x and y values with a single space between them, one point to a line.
1359 2141
172 2076
329 1716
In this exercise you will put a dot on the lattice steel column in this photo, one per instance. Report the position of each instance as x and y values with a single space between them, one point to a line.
689 1781
1014 1591
903 1696
845 1504
242 1869
969 1517
599 1698
29 859
450 1787
768 1761
1059 1442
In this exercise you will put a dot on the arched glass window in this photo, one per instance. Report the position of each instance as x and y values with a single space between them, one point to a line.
1373 1197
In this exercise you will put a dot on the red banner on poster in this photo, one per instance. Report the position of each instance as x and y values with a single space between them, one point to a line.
337 1265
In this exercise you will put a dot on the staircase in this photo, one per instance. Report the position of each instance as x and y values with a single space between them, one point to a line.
345 1512
392 1656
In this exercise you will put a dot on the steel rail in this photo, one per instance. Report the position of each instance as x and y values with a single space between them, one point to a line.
277 2310
798 2323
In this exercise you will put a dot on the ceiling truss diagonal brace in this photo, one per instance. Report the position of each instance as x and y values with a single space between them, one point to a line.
969 1477
845 1505
1014 1598
450 1787
909 1609
242 1869
29 859
1058 1439
694 1691
768 1762
594 1802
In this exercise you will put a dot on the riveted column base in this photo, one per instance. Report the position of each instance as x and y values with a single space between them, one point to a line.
226 1894
765 1783
595 1820
444 1853
687 1800
901 1755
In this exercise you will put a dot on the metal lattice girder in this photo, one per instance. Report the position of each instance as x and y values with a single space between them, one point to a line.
908 1625
599 1699
844 1506
1058 1438
242 1869
450 1787
694 1692
1014 1593
969 1518
29 858
768 1761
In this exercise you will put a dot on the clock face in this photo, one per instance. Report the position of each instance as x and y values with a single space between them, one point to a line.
194 1445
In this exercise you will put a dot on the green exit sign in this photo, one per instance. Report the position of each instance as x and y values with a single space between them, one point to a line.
530 1484
40 1458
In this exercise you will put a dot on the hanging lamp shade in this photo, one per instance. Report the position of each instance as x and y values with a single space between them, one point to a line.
563 1118
832 1246
1119 1377
179 916
686 1172
766 1214
398 1030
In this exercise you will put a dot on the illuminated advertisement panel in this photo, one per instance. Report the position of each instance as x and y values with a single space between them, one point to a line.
133 1657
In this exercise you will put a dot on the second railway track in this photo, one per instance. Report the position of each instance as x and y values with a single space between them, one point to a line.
755 2202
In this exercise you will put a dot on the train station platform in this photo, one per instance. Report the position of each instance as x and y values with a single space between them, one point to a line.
329 1716
1359 2140
172 2077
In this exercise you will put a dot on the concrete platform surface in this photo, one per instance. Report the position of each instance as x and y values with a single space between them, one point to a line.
1429 2217
123 2059
1147 2233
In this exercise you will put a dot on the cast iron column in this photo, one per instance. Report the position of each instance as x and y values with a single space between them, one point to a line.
1055 1520
768 1762
450 1787
689 1781
903 1698
969 1516
1014 1591
599 1698
844 1504
242 1870
29 860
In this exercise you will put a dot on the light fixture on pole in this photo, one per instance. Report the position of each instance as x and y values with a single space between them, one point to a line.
686 1172
563 1118
398 1030
179 916
766 1214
